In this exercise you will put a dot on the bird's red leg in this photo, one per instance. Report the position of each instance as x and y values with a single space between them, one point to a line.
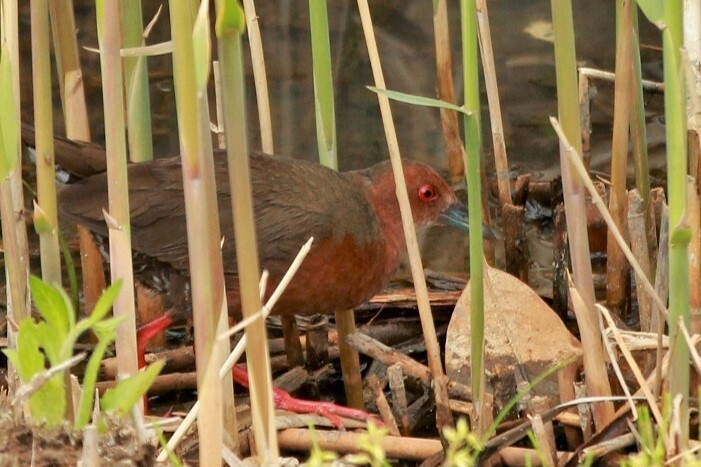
146 332
283 400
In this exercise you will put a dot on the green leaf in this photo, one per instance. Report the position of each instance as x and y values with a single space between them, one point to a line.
28 359
9 141
102 307
52 307
48 404
418 100
230 18
87 395
653 10
52 343
127 392
202 46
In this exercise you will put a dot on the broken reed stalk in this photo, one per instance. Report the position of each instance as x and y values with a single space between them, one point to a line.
490 79
692 48
230 26
204 252
473 154
647 85
327 147
639 246
443 414
662 290
693 220
47 226
75 116
70 76
617 276
638 133
260 76
138 102
567 99
11 192
446 91
225 370
117 217
512 216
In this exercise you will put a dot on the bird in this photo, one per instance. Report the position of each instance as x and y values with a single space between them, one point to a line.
353 216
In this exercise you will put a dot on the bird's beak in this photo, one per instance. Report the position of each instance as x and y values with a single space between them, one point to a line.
456 216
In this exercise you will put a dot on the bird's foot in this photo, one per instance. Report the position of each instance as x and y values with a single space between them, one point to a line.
333 412
146 332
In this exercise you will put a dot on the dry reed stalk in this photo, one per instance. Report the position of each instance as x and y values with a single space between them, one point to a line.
446 91
443 415
12 192
592 353
638 243
70 75
490 79
567 98
117 218
585 97
648 85
693 220
617 276
662 290
651 399
260 76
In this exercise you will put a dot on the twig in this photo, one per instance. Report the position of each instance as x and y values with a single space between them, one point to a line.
33 385
651 400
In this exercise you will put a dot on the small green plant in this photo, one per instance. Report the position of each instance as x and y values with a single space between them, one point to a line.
370 444
463 446
50 340
319 457
652 446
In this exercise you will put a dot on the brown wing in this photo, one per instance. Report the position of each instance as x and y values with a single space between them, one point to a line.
293 200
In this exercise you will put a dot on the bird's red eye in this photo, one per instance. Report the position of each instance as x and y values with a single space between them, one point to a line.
427 193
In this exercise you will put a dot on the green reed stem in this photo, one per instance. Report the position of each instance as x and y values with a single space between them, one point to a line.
43 122
230 26
200 195
473 154
675 117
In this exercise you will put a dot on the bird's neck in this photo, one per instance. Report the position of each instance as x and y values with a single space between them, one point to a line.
387 208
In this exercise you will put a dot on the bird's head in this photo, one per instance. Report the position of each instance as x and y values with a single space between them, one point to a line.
432 200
